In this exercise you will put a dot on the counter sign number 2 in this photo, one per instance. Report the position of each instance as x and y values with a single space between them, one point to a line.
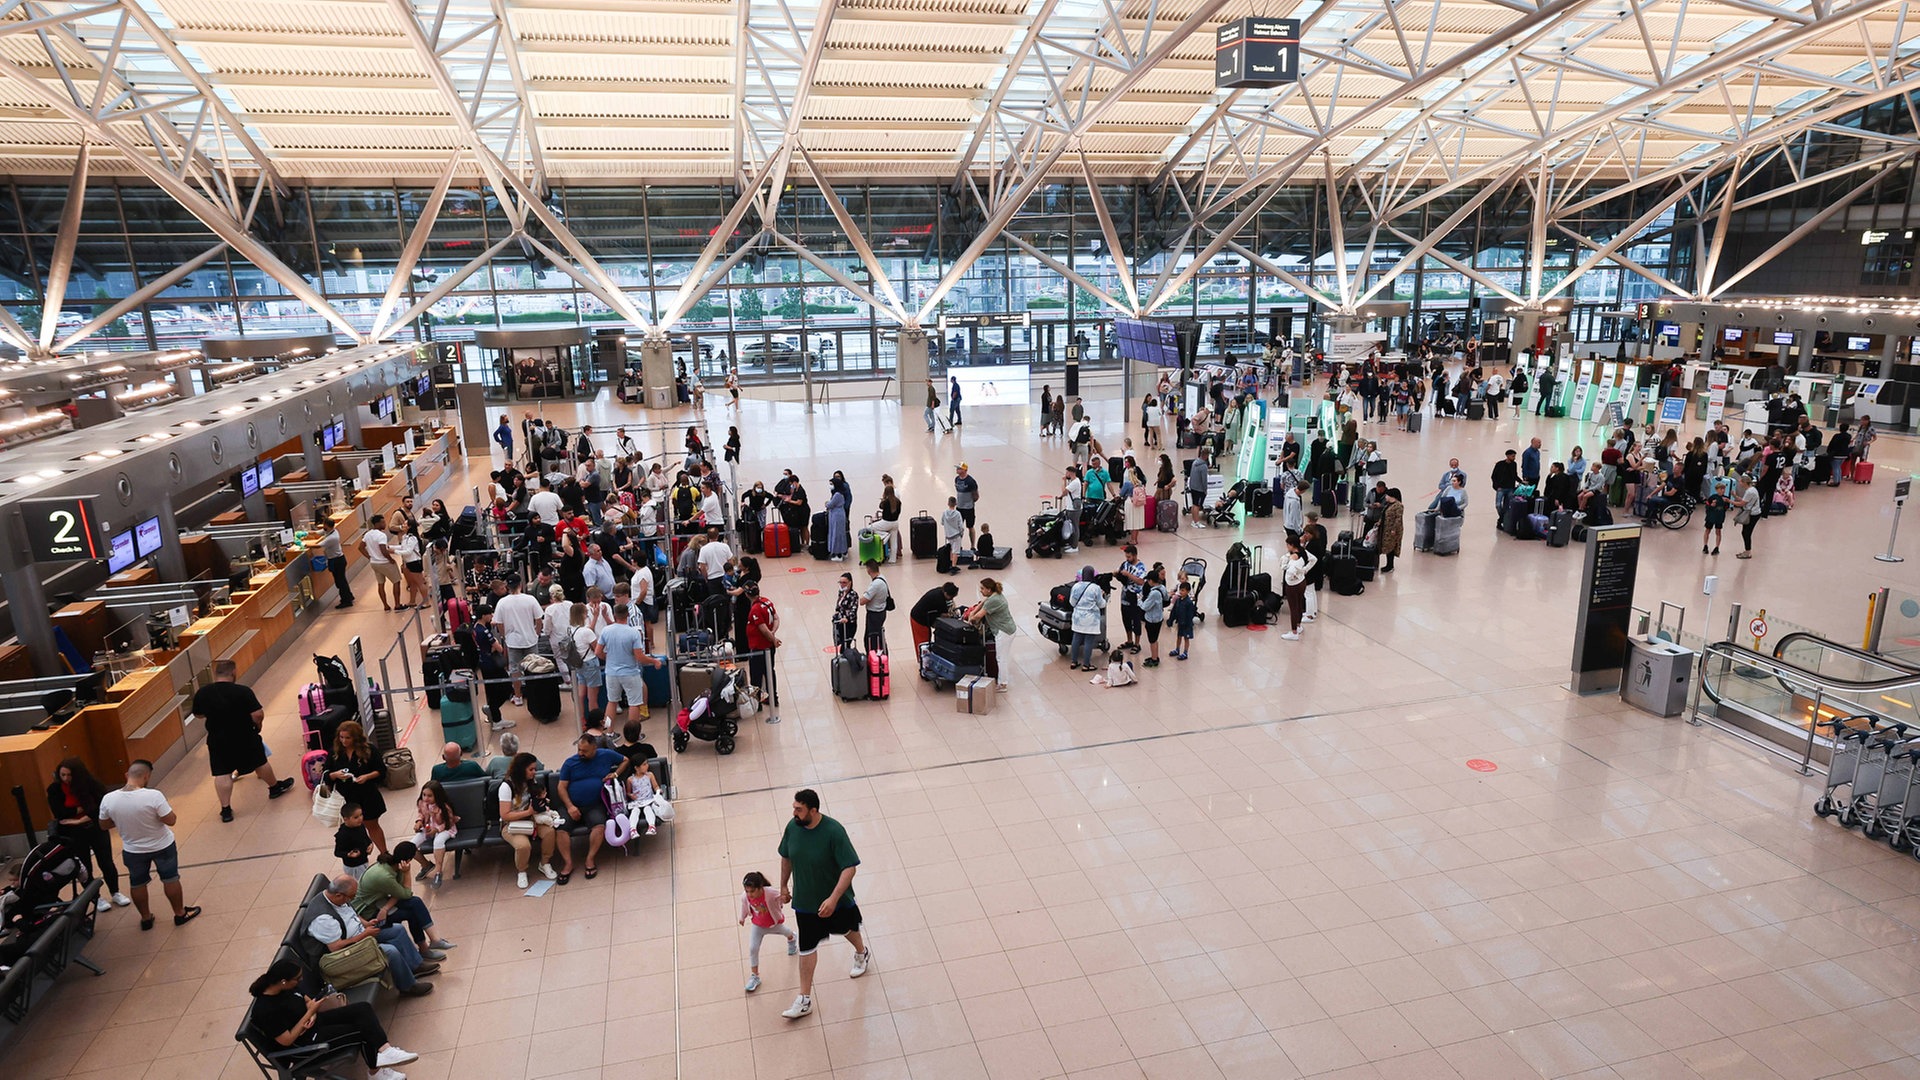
61 530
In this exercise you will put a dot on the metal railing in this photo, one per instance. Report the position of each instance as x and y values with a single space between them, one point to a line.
1779 703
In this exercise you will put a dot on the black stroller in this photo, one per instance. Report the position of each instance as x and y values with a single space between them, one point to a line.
1047 532
713 716
1226 512
1104 520
53 874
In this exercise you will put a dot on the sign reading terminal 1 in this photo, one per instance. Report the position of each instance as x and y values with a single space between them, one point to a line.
1257 52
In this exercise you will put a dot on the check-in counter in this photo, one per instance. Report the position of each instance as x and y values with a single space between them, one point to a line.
146 711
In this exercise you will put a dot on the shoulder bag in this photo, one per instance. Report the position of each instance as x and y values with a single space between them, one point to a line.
360 962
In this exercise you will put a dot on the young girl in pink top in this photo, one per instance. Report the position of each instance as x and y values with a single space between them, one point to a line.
762 905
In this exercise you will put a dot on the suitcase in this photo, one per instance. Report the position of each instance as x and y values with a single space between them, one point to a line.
1863 472
1560 528
1802 479
1343 575
659 689
1056 625
1000 559
1153 513
542 694
873 546
1513 515
313 768
319 729
1539 527
1414 420
923 535
692 680
776 540
1446 535
957 632
1115 467
849 676
943 559
879 674
1556 412
1260 502
752 539
1167 516
1236 607
817 536
1260 584
438 663
943 672
1423 529
1476 410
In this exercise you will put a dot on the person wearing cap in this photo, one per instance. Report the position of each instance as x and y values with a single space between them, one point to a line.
966 492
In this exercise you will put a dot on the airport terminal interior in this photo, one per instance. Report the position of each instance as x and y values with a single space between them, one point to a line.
1449 772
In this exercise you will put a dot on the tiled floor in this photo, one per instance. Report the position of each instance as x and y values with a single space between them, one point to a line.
1269 862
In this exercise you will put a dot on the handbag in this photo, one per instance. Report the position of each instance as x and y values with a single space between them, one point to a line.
662 809
1377 468
523 827
361 962
400 773
326 805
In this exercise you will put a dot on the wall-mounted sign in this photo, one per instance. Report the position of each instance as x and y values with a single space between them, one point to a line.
1257 52
61 530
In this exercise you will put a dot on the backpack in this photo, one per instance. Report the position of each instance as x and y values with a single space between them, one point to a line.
570 651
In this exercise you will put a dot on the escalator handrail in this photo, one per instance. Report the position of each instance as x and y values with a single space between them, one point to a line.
1789 668
1840 647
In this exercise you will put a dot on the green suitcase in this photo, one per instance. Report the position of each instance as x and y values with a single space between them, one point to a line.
873 546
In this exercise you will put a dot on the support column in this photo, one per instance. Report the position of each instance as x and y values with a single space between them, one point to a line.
910 366
27 602
656 373
171 562
1526 329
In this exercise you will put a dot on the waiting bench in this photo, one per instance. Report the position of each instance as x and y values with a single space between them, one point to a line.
315 1060
60 943
479 801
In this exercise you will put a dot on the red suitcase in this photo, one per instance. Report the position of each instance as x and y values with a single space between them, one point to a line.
1153 516
777 541
1863 472
880 671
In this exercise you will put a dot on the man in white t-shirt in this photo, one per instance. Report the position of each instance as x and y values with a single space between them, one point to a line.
714 556
518 616
380 556
544 504
144 819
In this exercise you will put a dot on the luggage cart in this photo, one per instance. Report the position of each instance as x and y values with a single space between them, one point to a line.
1866 779
1902 827
1848 741
1888 819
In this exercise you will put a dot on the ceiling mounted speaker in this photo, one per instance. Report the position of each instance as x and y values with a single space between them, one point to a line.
175 471
1823 320
253 436
1779 318
123 488
1869 322
283 423
214 448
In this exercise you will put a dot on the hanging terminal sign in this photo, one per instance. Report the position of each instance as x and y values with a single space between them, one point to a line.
1257 52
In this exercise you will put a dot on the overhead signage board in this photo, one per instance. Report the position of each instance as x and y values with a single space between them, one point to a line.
1257 52
984 318
61 530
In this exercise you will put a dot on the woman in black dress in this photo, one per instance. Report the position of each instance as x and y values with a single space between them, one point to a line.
357 772
284 1017
74 799
797 513
748 574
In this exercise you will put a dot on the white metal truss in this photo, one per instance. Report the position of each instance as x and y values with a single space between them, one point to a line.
88 66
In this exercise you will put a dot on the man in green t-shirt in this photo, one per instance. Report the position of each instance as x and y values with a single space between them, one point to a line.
454 765
817 857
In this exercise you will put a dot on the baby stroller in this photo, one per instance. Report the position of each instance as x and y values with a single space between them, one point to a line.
1103 521
52 874
1046 532
713 716
1226 512
1196 568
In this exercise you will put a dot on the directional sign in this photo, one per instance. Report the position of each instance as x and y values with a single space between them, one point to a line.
1257 52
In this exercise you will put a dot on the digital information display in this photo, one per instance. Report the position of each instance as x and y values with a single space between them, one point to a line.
1606 607
120 553
1147 341
264 474
249 482
146 537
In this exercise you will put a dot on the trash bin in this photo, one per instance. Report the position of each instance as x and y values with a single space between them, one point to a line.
1656 676
659 397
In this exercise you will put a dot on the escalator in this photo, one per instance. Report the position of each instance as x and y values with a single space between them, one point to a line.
1776 699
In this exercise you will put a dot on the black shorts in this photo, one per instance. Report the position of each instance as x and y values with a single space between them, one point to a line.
1153 631
814 929
966 515
235 753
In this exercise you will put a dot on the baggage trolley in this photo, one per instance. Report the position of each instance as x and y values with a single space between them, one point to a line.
1866 778
1845 760
1889 817
1904 828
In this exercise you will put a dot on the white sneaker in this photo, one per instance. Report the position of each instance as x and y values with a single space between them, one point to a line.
801 1006
503 725
103 904
121 900
753 983
393 1055
1289 637
523 879
387 1074
860 962
547 871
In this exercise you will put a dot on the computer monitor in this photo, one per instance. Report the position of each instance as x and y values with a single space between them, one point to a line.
146 537
264 473
1783 337
120 552
1732 333
1859 344
249 482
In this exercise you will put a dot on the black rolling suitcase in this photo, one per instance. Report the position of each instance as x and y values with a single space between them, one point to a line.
1343 575
438 663
1560 528
923 535
960 641
817 536
752 541
1260 502
540 686
1237 596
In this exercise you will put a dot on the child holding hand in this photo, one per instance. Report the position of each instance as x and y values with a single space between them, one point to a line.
759 903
